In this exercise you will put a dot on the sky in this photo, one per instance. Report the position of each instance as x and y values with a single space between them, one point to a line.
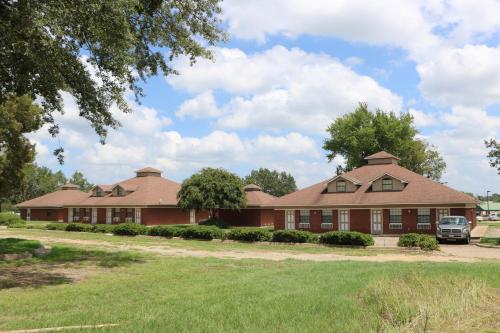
290 68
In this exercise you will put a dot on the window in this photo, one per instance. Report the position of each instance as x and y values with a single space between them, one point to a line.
49 212
387 184
340 186
304 218
326 216
343 220
76 211
98 192
116 212
424 215
119 191
130 212
395 215
86 212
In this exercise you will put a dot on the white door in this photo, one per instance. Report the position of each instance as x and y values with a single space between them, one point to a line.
70 214
343 220
94 215
28 214
108 215
138 216
441 212
192 216
289 219
377 221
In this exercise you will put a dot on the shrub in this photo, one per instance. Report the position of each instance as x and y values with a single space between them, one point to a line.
56 226
425 242
294 236
103 228
129 229
215 222
79 227
18 225
167 231
250 235
8 218
346 238
202 232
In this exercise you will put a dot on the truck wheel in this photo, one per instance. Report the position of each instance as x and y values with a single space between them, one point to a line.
467 240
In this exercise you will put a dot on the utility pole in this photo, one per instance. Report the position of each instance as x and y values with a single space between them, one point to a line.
488 201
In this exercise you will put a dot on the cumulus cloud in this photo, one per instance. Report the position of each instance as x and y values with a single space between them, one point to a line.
201 106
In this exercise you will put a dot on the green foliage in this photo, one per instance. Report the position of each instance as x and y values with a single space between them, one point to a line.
494 153
202 232
490 240
362 133
79 179
167 231
294 236
130 229
273 182
212 189
103 228
216 222
8 218
17 245
250 235
21 225
18 116
346 238
79 227
56 226
424 242
97 50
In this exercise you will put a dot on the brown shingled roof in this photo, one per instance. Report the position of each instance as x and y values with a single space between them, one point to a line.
55 199
255 196
381 154
420 190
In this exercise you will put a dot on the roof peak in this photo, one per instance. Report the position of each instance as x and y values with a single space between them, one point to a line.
382 157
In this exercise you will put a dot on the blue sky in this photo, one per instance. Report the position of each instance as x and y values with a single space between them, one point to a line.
291 68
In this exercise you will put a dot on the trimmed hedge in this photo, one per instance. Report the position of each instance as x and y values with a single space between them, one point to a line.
79 227
424 242
56 226
202 232
167 231
8 218
18 225
215 222
294 236
103 228
249 235
346 238
129 229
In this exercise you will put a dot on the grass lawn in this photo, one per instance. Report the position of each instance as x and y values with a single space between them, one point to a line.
490 223
490 240
160 294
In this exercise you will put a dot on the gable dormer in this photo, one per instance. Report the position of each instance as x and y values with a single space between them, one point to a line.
101 190
343 184
387 183
121 190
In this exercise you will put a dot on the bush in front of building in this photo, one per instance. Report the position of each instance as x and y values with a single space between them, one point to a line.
202 232
103 228
56 226
352 238
130 229
215 222
294 236
9 218
250 235
79 227
424 242
167 231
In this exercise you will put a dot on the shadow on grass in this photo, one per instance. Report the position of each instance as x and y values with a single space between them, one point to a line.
64 254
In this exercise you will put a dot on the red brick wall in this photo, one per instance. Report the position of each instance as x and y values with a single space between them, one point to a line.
409 217
243 217
335 219
267 217
37 214
279 219
360 220
156 216
315 220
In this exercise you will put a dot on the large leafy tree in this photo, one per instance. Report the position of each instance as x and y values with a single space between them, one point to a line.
18 116
362 133
79 179
212 189
494 153
272 182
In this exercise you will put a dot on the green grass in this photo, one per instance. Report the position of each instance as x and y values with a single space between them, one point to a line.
15 245
205 245
215 295
489 223
490 240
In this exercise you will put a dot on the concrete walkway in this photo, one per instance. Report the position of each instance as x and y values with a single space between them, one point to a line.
479 231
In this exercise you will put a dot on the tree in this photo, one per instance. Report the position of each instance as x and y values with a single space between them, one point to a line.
18 115
212 189
272 182
494 153
97 50
362 133
79 179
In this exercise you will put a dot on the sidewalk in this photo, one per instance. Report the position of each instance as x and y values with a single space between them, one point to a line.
479 231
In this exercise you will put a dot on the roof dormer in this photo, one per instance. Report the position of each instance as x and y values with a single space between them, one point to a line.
382 157
101 190
148 172
69 186
343 184
387 183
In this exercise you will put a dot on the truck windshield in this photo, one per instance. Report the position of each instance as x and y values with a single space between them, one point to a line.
452 220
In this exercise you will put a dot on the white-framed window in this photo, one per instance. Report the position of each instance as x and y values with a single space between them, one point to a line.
120 192
28 214
387 184
94 215
109 215
442 212
326 216
138 215
304 221
340 186
76 214
344 220
395 215
424 216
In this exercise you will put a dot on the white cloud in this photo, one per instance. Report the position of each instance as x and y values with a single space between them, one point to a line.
422 119
202 105
279 89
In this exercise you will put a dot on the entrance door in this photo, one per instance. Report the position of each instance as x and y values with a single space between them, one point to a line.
289 219
441 212
343 220
108 215
138 216
377 221
28 214
70 215
94 215
192 216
